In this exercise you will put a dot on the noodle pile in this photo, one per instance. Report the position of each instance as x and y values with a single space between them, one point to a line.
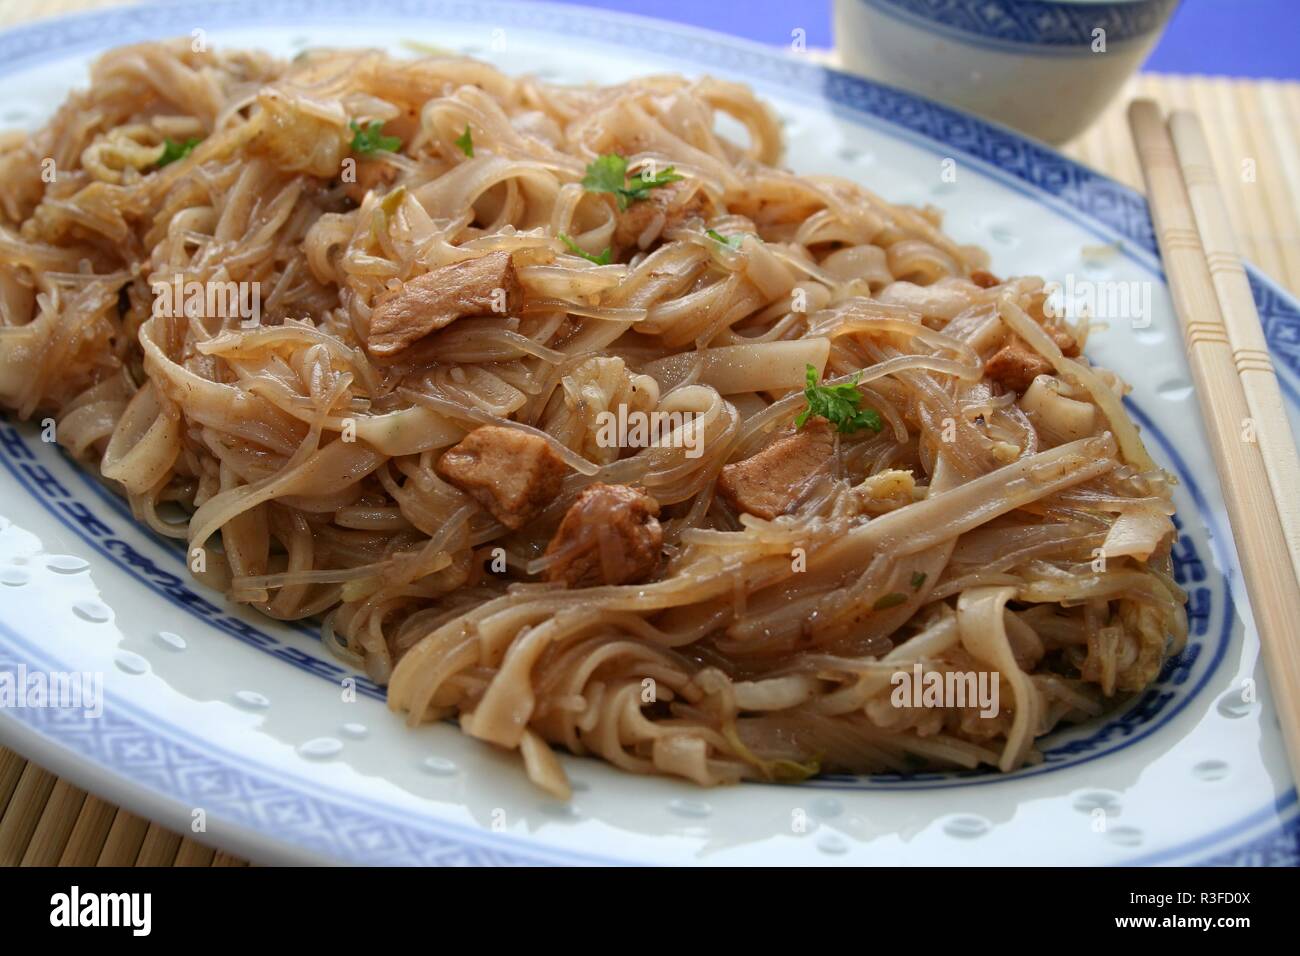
300 466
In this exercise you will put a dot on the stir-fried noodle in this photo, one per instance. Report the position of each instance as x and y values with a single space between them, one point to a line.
209 273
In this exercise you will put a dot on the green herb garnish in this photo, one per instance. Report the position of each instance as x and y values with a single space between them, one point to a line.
608 174
173 150
577 250
892 599
466 142
838 404
731 242
918 578
371 139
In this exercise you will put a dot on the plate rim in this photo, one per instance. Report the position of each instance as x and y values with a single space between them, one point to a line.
82 32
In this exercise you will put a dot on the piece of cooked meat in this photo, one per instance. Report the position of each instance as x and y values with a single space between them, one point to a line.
668 206
1053 326
438 298
609 535
1064 340
1016 365
768 484
512 473
371 173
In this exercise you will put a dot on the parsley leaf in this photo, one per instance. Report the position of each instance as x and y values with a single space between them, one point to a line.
838 404
605 174
918 578
642 184
732 242
577 250
173 150
608 174
466 142
371 139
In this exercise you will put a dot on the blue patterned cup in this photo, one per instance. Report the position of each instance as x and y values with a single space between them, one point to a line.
1045 67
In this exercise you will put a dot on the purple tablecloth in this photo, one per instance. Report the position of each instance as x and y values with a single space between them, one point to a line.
1252 38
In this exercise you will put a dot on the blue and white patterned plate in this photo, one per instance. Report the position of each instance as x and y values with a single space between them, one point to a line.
245 733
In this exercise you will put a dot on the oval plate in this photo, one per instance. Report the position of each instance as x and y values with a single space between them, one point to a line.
245 732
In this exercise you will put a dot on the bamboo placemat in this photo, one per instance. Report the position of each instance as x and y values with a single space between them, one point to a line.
1251 128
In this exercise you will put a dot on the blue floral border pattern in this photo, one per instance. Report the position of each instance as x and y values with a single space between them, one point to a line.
1033 22
326 828
1278 848
1114 206
94 529
1280 315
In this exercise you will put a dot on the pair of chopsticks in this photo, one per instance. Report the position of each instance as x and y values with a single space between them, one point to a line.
1241 404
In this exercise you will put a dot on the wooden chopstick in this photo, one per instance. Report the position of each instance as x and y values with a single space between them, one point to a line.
1266 561
1241 320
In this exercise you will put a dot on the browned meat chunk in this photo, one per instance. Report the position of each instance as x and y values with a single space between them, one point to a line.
984 279
609 535
371 174
510 472
1016 365
1064 340
1052 326
438 298
768 484
645 221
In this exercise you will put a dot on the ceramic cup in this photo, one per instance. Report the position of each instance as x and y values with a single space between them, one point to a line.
1045 67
